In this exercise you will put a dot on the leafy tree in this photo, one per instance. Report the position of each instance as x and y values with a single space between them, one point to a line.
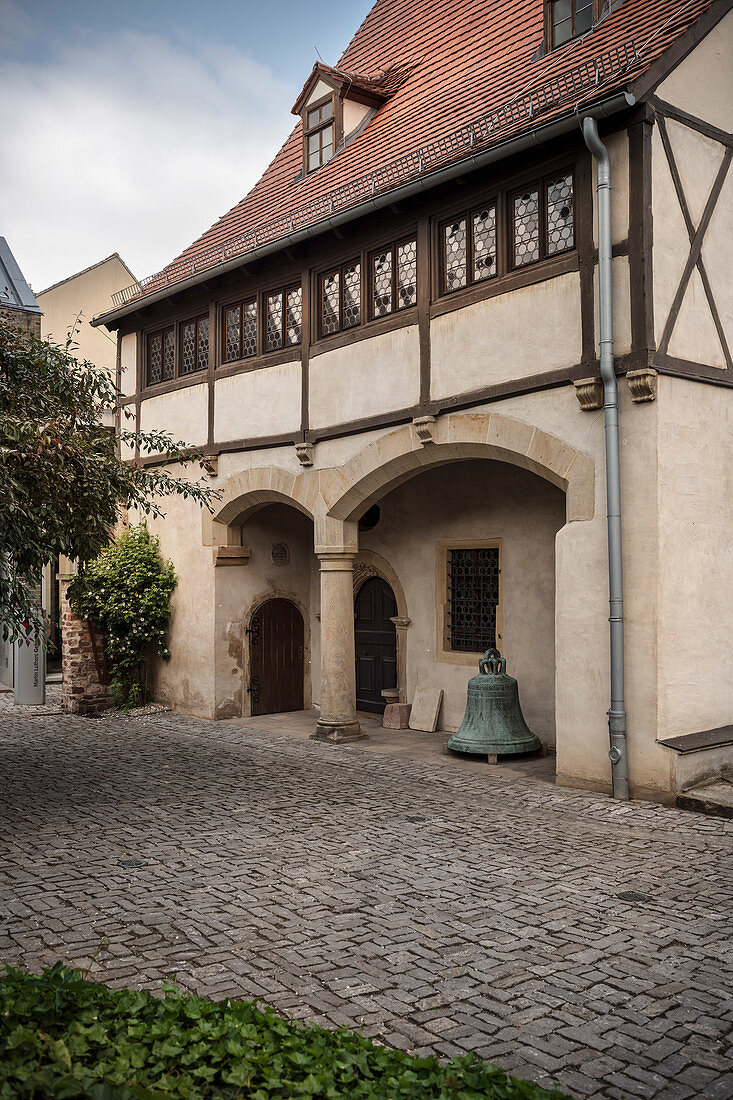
62 479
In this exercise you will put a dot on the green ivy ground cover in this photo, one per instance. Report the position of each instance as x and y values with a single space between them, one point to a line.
62 1036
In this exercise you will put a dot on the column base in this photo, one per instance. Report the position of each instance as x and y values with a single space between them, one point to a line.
338 733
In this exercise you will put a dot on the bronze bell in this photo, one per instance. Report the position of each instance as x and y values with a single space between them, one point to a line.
493 724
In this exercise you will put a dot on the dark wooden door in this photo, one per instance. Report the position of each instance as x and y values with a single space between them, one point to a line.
376 643
276 658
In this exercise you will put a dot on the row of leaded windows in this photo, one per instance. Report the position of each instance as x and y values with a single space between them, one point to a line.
540 225
282 328
193 350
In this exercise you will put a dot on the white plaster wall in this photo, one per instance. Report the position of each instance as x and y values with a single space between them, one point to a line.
671 240
477 500
716 254
702 84
618 151
186 681
353 115
258 403
621 306
365 378
696 556
183 413
128 362
514 335
319 91
698 159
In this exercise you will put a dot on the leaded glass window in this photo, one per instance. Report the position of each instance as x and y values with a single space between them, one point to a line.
393 273
233 334
155 358
249 329
293 316
169 354
469 248
195 345
527 227
473 598
406 274
340 299
274 316
560 229
455 255
542 219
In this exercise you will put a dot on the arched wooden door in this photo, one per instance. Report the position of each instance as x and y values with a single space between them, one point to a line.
276 658
376 643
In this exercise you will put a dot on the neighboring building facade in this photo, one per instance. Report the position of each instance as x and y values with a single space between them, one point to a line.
18 306
389 350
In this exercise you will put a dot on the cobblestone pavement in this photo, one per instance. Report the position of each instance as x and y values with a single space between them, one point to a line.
433 909
51 706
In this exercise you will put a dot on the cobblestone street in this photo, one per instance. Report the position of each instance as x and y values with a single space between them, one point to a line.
432 908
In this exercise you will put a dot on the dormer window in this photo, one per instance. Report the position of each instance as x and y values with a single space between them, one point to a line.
319 134
568 19
336 106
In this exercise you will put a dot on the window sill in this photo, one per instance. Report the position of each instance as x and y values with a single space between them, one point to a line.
156 389
403 318
537 272
290 354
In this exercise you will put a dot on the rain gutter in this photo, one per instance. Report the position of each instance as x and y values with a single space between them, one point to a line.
604 109
617 711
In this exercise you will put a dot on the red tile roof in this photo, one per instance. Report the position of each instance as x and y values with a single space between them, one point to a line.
458 60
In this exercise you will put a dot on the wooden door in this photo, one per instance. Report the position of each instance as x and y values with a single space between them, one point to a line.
376 643
276 658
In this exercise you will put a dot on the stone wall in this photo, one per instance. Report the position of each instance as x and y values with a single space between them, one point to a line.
28 322
85 684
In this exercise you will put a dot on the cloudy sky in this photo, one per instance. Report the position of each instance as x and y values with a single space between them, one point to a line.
131 126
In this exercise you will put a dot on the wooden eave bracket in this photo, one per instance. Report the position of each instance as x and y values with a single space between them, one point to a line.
231 555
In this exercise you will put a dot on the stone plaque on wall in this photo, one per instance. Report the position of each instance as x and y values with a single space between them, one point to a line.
280 554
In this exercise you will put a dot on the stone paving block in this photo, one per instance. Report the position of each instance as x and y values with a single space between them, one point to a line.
288 871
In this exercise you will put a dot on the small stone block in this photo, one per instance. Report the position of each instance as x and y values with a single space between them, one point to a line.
425 709
396 716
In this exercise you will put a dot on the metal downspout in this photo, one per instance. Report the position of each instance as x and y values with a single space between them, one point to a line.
617 712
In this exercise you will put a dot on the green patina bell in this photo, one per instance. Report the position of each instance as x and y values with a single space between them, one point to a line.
493 724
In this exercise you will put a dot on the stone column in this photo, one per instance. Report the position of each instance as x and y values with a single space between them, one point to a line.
338 721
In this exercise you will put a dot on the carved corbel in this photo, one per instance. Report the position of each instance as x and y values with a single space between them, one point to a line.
304 451
589 392
642 384
424 428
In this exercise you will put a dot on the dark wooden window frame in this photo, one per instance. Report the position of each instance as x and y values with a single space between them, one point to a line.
321 276
549 26
261 299
149 337
442 273
335 122
541 184
392 247
203 316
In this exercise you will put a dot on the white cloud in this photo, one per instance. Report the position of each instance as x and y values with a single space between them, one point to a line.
128 142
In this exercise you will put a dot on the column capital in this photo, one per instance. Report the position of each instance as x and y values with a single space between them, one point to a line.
336 557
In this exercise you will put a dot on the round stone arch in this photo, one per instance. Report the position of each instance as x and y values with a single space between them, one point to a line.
397 456
245 493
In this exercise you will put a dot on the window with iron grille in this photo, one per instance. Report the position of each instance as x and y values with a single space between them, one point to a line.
473 598
194 352
541 218
318 134
567 19
468 248
340 298
393 278
161 356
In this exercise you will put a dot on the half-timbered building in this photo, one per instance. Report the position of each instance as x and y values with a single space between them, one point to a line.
390 352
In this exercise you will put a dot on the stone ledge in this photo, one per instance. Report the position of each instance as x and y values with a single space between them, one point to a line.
696 742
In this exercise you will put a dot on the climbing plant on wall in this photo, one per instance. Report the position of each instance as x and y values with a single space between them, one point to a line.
126 592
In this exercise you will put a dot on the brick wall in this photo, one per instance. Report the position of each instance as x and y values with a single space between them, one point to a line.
85 674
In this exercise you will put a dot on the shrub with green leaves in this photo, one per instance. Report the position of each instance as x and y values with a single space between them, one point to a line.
66 1037
126 592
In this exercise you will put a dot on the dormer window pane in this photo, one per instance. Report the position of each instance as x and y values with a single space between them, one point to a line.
319 135
570 18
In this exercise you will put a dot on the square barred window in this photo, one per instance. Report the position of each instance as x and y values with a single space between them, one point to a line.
393 275
469 248
472 584
340 299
